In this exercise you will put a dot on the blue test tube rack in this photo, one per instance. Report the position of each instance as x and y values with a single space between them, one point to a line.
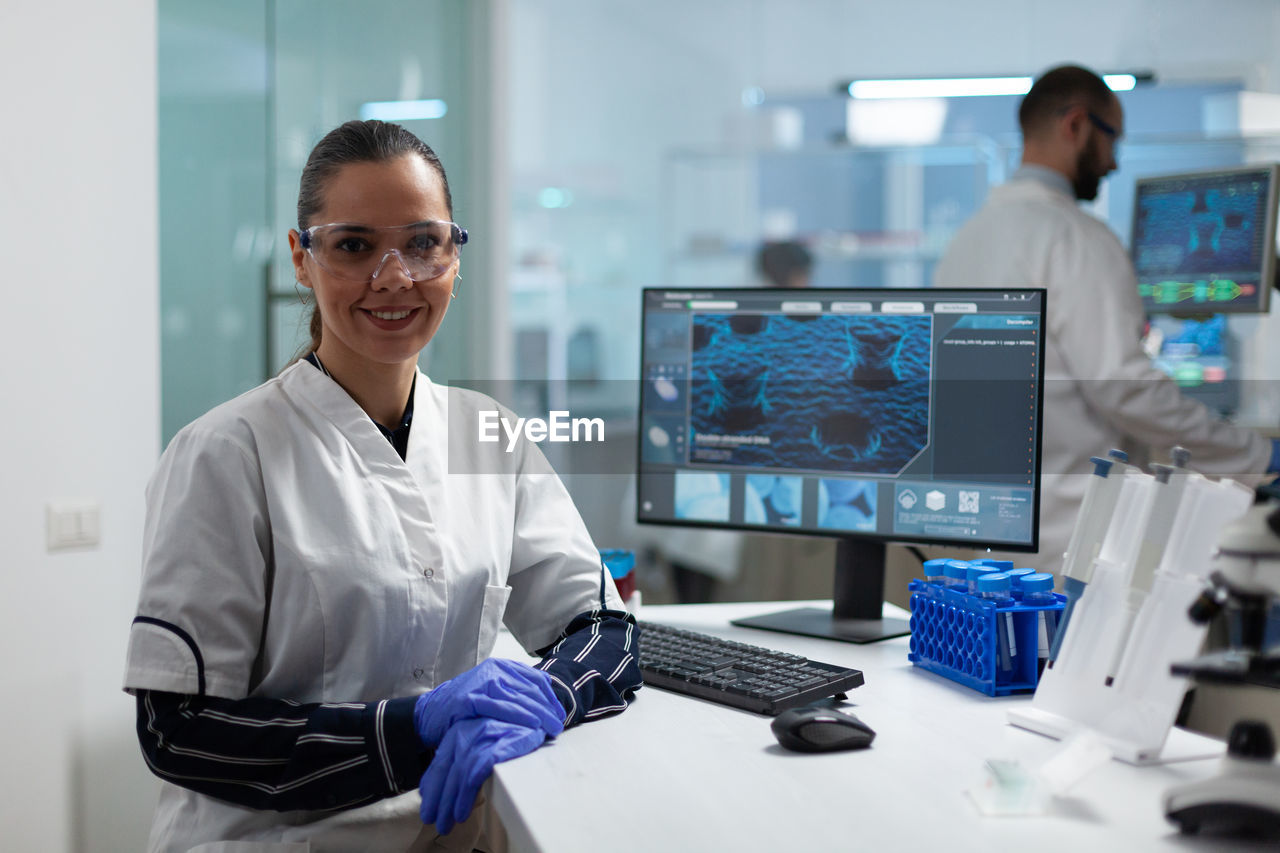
954 633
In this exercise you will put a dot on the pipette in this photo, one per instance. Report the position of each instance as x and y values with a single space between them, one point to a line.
1171 482
1096 509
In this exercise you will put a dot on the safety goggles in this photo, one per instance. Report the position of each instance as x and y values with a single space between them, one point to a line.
1106 128
1112 133
424 250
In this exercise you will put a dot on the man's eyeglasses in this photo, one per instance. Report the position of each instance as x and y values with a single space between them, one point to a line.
1111 132
425 250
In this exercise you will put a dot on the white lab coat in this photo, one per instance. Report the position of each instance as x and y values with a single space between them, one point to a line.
307 561
1101 390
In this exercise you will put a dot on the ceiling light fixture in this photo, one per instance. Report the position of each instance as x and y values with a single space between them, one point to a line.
968 87
403 110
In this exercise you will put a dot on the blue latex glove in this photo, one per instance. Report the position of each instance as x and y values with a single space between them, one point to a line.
498 689
465 758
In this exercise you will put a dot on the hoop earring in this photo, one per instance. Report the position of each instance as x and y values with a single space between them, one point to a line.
304 294
457 278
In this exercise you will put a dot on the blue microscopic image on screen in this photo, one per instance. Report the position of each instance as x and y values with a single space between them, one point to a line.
772 500
1199 230
847 504
815 392
702 496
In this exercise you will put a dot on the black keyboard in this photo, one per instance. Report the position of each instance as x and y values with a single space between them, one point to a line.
737 674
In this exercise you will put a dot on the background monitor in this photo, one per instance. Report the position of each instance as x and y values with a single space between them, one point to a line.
867 415
1205 242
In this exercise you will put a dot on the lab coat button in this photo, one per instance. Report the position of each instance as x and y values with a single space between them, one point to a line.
428 573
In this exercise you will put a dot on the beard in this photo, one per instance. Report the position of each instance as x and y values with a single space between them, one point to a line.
1089 172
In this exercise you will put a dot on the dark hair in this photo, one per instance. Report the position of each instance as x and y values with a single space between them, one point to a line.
355 142
1059 89
778 260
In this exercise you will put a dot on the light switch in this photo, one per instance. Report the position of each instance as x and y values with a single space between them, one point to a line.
73 524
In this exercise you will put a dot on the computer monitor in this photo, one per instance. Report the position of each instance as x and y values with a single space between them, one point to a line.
1201 355
1205 242
868 415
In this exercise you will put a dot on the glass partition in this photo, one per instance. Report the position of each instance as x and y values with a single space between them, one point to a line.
246 89
215 240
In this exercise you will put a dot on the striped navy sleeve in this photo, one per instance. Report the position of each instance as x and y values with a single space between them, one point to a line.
282 755
593 665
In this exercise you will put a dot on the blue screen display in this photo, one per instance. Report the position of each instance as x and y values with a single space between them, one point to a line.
910 415
1205 243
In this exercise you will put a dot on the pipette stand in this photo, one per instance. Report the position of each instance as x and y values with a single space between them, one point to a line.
1135 714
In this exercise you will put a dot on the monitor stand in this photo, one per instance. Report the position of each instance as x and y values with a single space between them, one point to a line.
855 616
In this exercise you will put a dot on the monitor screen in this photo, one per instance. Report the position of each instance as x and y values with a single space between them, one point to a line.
1205 242
871 415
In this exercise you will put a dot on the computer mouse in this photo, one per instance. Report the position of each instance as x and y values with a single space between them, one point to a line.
820 730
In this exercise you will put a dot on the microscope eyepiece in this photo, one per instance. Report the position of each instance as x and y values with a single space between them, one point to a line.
1207 605
1251 739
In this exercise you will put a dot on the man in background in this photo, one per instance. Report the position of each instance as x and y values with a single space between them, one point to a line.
1101 390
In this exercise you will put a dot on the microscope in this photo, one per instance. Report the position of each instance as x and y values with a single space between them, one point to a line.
1243 799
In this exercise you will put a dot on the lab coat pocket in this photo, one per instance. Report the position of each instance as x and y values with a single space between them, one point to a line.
495 605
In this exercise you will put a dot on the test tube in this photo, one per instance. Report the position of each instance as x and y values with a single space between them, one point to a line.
957 575
1037 590
935 571
972 573
996 587
1015 577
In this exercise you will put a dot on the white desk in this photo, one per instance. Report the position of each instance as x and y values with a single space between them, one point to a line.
674 773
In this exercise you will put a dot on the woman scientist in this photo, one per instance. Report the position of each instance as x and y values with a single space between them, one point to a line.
328 558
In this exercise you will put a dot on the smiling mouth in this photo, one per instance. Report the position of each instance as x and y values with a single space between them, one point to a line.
391 315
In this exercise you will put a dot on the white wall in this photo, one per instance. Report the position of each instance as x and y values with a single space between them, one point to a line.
79 377
673 67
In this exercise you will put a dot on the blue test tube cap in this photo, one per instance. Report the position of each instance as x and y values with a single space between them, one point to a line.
957 570
1101 467
995 582
996 565
1118 454
1016 575
1038 583
935 568
975 571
